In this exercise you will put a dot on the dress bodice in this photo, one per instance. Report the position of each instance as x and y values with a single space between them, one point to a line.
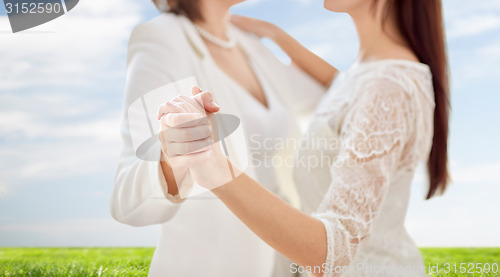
369 134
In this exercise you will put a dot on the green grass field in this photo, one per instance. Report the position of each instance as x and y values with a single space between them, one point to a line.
75 262
135 261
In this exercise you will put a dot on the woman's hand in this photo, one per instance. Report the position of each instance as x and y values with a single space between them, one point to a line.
258 27
172 137
313 65
188 141
184 127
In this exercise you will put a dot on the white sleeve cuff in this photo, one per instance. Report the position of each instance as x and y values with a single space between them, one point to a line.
160 187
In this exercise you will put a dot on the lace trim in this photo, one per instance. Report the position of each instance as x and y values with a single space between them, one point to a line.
330 246
412 76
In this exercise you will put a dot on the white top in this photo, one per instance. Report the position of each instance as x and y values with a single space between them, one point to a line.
200 236
370 132
266 127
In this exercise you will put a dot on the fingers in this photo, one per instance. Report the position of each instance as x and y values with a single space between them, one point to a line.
201 102
170 107
184 148
183 120
187 134
196 90
191 134
206 99
180 104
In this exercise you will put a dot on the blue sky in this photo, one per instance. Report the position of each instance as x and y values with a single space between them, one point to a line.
61 89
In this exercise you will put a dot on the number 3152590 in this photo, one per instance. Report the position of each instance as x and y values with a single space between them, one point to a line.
34 8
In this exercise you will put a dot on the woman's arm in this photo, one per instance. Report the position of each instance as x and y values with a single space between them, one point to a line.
361 176
309 62
143 190
296 235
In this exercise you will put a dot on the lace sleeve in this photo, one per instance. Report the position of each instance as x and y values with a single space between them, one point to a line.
372 137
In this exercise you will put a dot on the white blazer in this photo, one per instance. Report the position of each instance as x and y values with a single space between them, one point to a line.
198 237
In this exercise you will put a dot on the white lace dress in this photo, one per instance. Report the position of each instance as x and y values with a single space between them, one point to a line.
357 161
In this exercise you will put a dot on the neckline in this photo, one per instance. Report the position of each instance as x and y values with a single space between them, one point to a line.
199 44
259 78
415 64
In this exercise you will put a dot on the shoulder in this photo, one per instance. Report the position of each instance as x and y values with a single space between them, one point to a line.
163 29
380 104
381 88
160 36
164 23
392 77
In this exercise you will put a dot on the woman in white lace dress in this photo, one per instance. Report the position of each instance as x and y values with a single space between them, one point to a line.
380 119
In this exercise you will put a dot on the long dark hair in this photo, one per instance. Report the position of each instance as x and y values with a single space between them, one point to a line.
420 22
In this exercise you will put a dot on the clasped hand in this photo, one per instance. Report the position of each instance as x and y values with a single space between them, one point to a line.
188 142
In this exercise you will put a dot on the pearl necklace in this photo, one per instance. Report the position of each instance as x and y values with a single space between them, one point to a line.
230 44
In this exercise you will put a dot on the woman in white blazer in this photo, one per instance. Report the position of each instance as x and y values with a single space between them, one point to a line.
200 236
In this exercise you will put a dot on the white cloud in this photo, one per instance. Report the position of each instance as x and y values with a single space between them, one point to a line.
470 18
455 230
473 25
77 232
491 50
455 8
61 87
466 215
80 47
305 2
60 93
25 125
30 164
483 174
476 65
3 189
